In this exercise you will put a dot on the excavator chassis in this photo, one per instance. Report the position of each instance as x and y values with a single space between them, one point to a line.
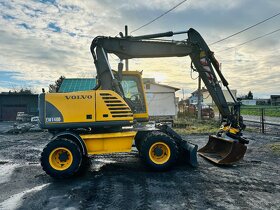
222 151
159 148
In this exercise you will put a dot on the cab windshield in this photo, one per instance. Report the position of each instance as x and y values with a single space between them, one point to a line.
133 92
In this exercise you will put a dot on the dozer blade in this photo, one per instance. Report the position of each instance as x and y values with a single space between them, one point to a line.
189 153
222 151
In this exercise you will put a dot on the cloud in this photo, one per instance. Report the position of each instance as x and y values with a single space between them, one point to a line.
41 40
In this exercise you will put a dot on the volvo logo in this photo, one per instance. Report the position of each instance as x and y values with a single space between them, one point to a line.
79 97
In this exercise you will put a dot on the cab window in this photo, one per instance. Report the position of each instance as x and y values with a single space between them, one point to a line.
133 92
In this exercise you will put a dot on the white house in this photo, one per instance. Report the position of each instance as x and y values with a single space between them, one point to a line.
161 100
250 102
207 99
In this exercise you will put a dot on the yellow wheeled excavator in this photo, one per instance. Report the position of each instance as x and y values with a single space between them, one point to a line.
106 119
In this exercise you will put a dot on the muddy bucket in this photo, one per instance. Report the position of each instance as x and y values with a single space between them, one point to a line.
222 151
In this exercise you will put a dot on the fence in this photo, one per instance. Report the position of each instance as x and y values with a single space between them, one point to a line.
265 118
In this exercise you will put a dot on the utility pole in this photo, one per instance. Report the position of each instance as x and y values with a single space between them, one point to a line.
126 34
199 99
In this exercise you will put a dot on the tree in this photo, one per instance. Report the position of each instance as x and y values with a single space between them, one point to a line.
24 90
250 95
53 88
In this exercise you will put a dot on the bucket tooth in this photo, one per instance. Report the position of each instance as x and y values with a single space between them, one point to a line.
222 151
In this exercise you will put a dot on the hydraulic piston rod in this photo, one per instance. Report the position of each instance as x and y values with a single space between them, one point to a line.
158 35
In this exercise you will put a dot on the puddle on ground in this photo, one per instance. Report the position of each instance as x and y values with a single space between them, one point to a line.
15 200
6 170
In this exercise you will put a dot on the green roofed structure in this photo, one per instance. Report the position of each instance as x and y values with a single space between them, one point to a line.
77 84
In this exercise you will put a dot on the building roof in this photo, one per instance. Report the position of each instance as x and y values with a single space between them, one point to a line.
167 86
149 80
80 84
77 84
203 89
152 81
17 94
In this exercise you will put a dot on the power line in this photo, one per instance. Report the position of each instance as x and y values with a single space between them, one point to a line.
245 29
259 37
148 23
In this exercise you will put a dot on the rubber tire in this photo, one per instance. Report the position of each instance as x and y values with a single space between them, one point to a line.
152 138
75 166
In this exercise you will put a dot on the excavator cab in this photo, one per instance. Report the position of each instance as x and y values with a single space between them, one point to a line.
133 91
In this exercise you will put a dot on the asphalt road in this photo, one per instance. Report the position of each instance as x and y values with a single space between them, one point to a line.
120 181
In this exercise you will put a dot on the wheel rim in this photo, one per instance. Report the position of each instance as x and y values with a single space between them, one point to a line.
61 158
159 153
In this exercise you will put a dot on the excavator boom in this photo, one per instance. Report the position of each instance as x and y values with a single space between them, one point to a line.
203 61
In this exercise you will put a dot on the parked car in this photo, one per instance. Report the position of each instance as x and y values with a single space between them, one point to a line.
206 110
34 119
22 117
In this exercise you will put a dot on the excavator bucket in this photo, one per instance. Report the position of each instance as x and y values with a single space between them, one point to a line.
222 151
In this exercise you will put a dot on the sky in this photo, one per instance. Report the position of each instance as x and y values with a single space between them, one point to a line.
40 40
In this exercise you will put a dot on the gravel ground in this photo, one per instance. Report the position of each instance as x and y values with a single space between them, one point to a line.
275 120
120 181
268 128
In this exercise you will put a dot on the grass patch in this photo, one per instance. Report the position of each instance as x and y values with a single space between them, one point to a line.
271 111
275 148
194 126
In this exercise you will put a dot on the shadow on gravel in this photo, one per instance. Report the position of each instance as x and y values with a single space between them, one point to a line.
123 184
121 181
